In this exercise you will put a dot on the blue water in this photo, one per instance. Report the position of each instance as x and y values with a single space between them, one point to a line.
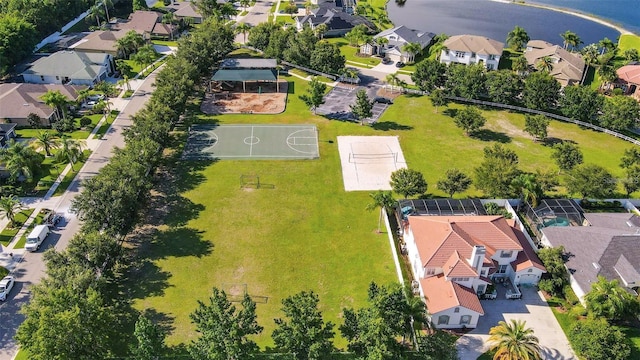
625 13
495 20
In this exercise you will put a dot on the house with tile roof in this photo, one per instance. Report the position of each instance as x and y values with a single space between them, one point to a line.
454 259
185 10
397 38
472 49
18 100
568 68
69 67
148 24
337 21
607 245
629 76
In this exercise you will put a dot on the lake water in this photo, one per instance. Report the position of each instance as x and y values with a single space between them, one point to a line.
625 13
494 19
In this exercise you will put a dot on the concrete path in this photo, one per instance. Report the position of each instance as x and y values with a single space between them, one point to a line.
533 309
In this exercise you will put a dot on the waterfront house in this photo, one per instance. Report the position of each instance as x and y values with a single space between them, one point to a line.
19 100
568 68
337 21
70 67
629 77
455 258
472 49
396 39
605 245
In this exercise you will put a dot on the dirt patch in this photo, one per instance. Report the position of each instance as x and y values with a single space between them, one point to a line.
505 126
259 98
382 92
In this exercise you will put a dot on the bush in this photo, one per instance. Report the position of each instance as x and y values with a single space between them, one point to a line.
595 339
570 295
578 311
85 121
64 125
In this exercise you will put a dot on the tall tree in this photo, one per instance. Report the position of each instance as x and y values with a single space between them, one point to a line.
429 74
315 94
631 183
320 30
558 277
326 57
438 45
9 207
438 98
469 119
382 200
527 188
56 100
591 181
503 86
536 126
149 339
46 140
520 65
581 102
303 333
455 181
570 38
545 64
18 37
439 345
494 175
595 339
620 112
412 49
631 55
467 81
567 155
207 8
609 300
140 5
361 109
70 150
408 182
513 340
357 36
224 329
607 46
541 91
243 28
20 160
517 38
630 158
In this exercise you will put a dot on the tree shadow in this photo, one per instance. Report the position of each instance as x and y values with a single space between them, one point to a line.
551 141
390 125
450 112
490 135
162 320
291 88
149 279
179 242
189 174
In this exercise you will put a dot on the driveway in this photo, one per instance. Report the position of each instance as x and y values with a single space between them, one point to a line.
338 101
256 14
531 308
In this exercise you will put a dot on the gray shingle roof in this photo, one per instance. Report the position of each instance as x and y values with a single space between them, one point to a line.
17 101
72 64
407 35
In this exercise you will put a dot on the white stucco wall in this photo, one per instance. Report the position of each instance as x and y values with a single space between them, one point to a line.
449 56
454 318
526 277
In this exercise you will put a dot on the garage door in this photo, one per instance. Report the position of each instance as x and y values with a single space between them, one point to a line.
527 279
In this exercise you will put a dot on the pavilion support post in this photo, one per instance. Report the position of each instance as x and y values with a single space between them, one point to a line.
244 87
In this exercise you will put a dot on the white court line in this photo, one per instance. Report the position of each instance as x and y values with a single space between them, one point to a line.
259 126
251 144
262 156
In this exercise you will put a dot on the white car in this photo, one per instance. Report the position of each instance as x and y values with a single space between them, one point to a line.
6 285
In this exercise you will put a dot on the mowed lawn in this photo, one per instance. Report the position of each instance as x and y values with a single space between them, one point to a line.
307 233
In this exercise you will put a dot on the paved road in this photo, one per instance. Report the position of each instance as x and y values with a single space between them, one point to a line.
258 13
31 269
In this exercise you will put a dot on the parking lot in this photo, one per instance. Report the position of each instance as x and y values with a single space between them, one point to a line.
338 101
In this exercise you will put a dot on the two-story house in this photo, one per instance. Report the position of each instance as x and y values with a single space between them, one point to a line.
396 38
472 49
568 68
455 258
69 67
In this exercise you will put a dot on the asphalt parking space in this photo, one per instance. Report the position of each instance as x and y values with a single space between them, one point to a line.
338 101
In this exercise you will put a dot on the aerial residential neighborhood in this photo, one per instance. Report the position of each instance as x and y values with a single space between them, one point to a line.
213 179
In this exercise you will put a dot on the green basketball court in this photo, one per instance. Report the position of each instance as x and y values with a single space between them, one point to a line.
243 142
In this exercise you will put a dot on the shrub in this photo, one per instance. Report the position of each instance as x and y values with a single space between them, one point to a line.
85 121
578 311
595 339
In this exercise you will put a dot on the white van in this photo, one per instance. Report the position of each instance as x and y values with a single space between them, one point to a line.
37 236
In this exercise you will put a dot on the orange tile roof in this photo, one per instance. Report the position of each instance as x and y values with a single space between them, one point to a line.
629 73
437 237
458 267
442 295
527 257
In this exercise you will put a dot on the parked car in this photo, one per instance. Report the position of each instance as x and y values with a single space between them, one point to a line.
400 64
52 219
387 61
95 97
6 285
90 104
383 100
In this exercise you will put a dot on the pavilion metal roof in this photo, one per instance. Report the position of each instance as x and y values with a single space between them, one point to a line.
252 63
245 75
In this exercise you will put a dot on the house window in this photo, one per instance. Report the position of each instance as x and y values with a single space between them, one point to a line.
506 254
492 57
490 67
502 269
483 272
465 319
57 77
41 78
530 270
456 310
446 52
459 54
431 271
443 320
460 279
473 55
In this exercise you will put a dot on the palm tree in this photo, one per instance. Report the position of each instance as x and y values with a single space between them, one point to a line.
46 140
520 65
57 101
416 311
512 341
590 56
145 56
243 28
608 299
517 38
570 39
412 49
308 6
320 30
438 45
227 10
125 81
20 160
393 80
70 151
245 4
607 46
545 64
631 55
96 11
383 200
381 42
107 4
9 207
528 188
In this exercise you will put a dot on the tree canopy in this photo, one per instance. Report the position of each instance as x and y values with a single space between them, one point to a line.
591 181
408 182
595 339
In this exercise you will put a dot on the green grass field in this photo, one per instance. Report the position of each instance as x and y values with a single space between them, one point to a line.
9 233
307 233
23 239
629 42
349 52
